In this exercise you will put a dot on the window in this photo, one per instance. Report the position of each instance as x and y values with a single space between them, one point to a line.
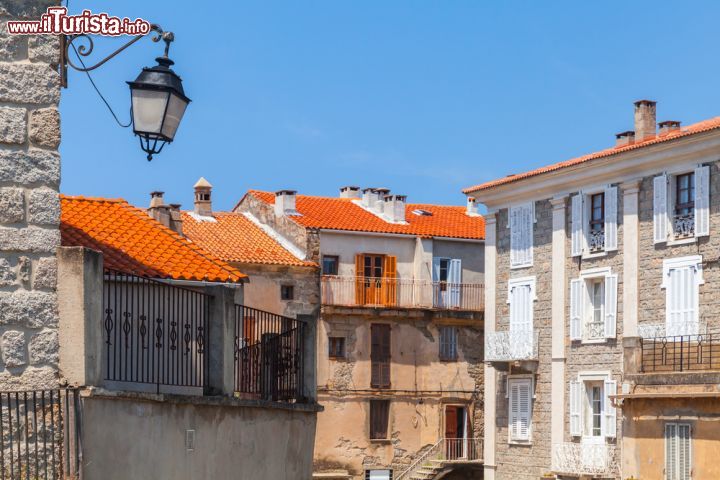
685 194
447 279
330 264
594 221
376 282
378 474
519 408
380 355
373 266
521 296
681 205
448 344
681 280
592 415
287 292
678 455
593 305
520 221
379 415
336 347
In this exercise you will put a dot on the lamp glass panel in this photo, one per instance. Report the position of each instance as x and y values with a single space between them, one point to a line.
175 112
148 110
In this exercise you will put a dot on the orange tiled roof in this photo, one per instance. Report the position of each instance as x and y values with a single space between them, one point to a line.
700 127
333 213
235 238
132 242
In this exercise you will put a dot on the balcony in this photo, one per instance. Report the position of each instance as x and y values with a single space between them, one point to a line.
682 353
511 346
576 459
401 293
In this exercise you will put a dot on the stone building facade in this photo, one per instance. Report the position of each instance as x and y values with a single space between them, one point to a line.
611 235
29 203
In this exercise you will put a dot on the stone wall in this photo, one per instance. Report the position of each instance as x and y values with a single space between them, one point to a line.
263 289
29 204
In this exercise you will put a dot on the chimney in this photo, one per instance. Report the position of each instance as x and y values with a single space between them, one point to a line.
350 191
156 199
624 138
176 218
203 198
472 209
369 196
644 120
394 208
381 194
158 209
668 126
285 203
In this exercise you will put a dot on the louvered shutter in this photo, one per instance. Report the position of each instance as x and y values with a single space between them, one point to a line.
702 201
684 459
390 290
611 288
521 233
671 451
514 410
436 269
682 302
521 308
611 218
660 219
525 407
576 228
515 236
380 355
359 279
609 415
577 303
530 226
575 408
454 281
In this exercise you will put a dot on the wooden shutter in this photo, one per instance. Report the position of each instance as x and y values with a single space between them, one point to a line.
390 290
380 355
448 343
576 228
609 416
611 217
379 415
575 408
359 279
702 201
520 408
577 304
660 214
611 288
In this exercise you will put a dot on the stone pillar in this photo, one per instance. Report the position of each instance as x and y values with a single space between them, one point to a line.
80 304
490 410
631 249
559 283
309 347
29 203
220 346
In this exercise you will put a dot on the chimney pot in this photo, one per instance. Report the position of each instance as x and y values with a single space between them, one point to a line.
472 209
203 198
350 191
285 203
156 198
645 120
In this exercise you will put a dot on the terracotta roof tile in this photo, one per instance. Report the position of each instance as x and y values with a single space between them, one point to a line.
700 127
333 213
235 238
132 242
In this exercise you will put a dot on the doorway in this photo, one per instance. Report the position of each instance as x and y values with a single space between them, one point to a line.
455 432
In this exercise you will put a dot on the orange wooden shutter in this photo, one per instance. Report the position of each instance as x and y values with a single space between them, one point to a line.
359 274
390 282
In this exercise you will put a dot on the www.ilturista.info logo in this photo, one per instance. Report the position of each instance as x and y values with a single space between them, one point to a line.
57 22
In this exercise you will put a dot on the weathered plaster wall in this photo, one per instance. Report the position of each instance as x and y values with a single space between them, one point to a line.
471 253
29 204
263 289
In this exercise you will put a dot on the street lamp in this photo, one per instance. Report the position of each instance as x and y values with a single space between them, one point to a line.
158 101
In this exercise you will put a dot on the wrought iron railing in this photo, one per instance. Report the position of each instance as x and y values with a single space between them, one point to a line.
401 292
684 225
39 434
269 355
596 240
155 333
508 346
445 450
680 353
585 459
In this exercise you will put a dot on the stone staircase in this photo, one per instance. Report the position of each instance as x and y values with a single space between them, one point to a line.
444 453
428 470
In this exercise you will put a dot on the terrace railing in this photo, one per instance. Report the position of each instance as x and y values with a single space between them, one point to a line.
580 459
269 355
401 292
507 346
154 333
680 353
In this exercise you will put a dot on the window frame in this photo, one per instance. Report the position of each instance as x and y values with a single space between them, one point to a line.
692 261
594 377
591 217
690 204
343 352
378 360
678 424
373 406
592 275
336 259
530 381
369 472
442 353
284 289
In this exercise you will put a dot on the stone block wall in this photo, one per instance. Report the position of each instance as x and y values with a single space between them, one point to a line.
29 203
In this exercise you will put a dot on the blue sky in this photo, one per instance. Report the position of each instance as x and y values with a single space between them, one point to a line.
423 97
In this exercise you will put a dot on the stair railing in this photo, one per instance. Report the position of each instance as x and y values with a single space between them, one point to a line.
417 464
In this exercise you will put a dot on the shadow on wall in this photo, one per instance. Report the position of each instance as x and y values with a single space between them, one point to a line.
461 472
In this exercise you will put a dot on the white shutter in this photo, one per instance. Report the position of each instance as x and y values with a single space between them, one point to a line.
609 416
702 201
514 215
521 307
611 287
660 219
682 302
454 281
671 451
436 269
530 223
513 410
575 408
684 458
611 216
521 235
577 302
520 408
576 227
525 408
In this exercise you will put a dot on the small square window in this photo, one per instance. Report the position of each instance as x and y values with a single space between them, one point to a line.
287 292
330 264
378 475
336 347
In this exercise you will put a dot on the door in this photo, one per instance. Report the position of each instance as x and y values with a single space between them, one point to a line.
454 432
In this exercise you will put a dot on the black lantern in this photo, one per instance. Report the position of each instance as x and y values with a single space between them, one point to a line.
158 103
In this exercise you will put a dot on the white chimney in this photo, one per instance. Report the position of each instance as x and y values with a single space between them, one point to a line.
644 120
203 198
472 208
381 194
394 208
350 192
285 203
668 126
369 196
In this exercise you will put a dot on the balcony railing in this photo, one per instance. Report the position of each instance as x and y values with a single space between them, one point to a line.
511 346
596 240
680 353
684 225
401 292
577 459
